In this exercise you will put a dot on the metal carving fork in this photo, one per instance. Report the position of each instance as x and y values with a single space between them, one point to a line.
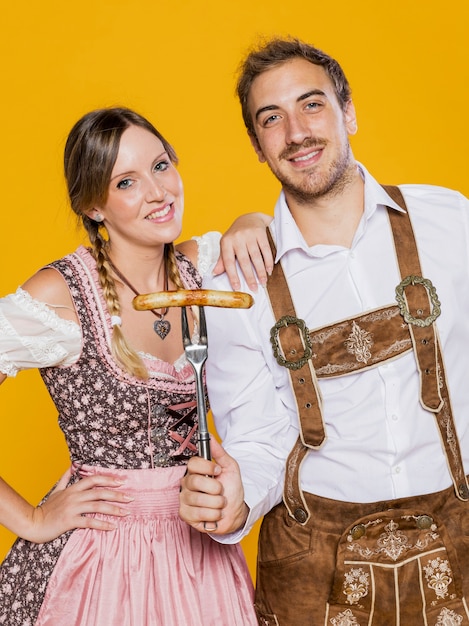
196 354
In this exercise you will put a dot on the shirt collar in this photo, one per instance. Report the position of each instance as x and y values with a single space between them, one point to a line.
287 234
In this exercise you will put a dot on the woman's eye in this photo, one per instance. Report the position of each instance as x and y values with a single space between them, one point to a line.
161 166
124 184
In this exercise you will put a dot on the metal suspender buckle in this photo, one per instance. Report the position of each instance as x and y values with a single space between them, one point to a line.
283 322
436 308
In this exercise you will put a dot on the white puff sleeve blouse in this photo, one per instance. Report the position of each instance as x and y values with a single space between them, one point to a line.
32 335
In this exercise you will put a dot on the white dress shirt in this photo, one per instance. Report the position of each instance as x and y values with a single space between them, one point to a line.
381 444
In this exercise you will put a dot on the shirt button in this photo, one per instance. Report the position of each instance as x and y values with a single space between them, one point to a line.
394 417
397 469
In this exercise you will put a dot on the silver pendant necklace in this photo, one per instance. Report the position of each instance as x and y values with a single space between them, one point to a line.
161 326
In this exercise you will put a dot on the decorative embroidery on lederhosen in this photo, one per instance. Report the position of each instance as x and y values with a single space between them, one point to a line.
397 566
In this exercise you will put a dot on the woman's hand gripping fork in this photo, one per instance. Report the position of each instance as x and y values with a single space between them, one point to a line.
196 354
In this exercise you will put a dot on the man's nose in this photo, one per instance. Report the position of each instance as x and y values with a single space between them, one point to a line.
297 130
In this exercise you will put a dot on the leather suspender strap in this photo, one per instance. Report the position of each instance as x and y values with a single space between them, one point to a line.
290 331
420 306
415 296
293 337
292 348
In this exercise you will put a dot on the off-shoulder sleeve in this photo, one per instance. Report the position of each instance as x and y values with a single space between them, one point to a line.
209 251
32 335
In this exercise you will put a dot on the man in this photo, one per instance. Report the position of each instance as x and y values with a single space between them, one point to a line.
343 408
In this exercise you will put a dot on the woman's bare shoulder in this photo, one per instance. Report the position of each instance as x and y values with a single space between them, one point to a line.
48 286
190 249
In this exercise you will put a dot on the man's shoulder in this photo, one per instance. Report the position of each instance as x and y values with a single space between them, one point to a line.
220 282
430 193
436 211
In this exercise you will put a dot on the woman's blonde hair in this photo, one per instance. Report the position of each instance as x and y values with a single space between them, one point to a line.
90 154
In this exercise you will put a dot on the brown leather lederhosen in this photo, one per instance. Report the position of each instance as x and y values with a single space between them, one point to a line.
386 563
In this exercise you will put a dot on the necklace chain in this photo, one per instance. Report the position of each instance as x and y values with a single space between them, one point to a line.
161 326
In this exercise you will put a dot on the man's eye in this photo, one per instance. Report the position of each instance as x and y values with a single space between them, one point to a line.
270 119
313 105
124 184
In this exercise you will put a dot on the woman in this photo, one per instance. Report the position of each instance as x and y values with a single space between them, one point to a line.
106 547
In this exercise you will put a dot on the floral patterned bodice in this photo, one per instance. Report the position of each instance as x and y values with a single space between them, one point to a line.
109 417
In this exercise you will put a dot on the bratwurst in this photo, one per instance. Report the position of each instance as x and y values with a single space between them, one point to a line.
193 297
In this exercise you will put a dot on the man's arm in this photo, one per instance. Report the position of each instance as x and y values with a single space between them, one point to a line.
246 392
244 250
245 243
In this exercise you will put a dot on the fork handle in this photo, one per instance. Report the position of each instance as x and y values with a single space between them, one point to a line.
204 446
203 432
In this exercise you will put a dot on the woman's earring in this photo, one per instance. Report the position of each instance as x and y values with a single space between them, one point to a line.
98 217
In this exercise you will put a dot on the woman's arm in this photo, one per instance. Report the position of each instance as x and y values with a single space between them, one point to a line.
67 507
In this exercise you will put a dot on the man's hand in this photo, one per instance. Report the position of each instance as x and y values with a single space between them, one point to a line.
246 242
212 494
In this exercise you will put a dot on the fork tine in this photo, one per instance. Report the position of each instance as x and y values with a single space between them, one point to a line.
186 338
202 325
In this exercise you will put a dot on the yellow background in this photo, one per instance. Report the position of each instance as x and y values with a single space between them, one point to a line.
175 62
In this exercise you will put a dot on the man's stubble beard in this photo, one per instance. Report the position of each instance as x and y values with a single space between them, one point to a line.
338 176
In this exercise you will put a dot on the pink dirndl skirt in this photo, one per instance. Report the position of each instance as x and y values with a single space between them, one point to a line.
152 570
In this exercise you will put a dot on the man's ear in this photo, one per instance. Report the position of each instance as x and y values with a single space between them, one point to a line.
257 148
350 117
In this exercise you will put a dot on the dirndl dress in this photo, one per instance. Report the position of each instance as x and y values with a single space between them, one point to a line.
153 569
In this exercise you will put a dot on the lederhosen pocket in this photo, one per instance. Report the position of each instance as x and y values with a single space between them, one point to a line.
286 557
397 567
